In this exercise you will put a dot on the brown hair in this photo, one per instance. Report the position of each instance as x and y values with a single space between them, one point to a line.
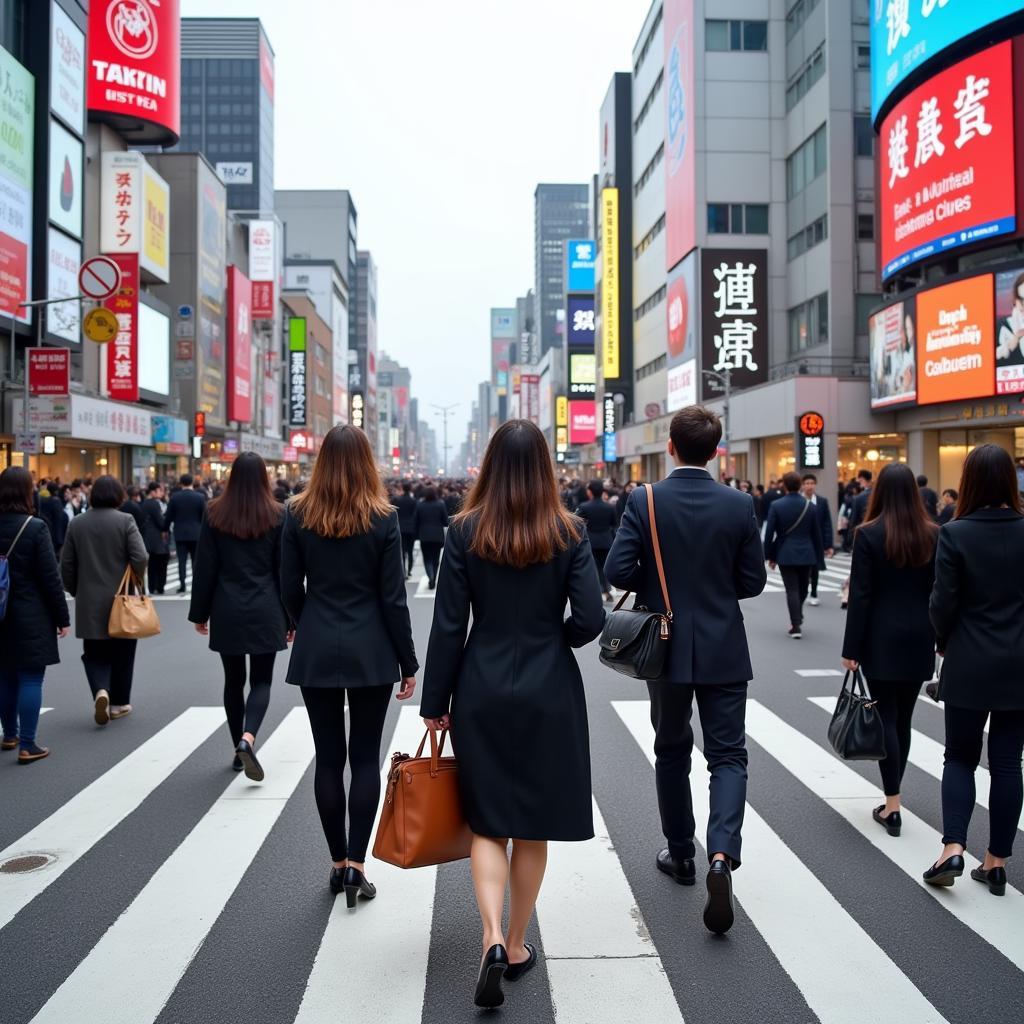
16 491
989 480
791 482
896 503
247 508
695 434
346 492
514 507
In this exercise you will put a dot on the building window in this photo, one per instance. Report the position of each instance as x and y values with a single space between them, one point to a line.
797 15
864 303
863 136
649 102
647 42
645 243
807 163
812 70
865 227
724 36
648 369
863 56
648 304
649 169
738 218
812 235
808 324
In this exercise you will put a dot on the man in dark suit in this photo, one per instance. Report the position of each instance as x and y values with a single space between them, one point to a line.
599 515
929 497
711 547
859 511
948 510
154 537
185 513
406 505
825 519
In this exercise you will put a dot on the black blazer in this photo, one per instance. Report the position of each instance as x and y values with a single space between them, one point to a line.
825 521
346 596
134 509
977 609
887 625
431 519
152 527
600 519
859 510
185 511
946 513
406 505
51 511
787 542
237 589
931 501
711 547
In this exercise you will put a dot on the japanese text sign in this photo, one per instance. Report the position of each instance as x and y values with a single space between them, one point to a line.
580 256
810 436
239 346
135 211
297 372
17 115
123 352
610 282
579 315
49 371
582 422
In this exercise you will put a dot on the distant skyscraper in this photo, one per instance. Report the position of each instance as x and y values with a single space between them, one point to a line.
560 212
364 369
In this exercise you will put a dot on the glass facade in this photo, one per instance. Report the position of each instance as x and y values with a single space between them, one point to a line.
561 212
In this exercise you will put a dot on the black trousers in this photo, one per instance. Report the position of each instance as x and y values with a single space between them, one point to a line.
156 572
814 581
723 721
184 549
600 557
368 707
965 731
896 704
431 557
247 715
796 578
110 665
408 546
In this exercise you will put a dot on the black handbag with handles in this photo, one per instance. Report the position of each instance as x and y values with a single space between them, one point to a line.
634 641
856 731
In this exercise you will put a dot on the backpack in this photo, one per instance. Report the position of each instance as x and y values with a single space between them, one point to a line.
5 571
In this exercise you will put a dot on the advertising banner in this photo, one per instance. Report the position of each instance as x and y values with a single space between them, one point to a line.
123 351
580 316
946 162
65 179
156 224
17 115
580 257
297 372
210 378
681 307
610 282
561 411
810 440
49 371
154 350
239 346
135 211
262 268
582 422
503 324
170 434
267 67
93 419
1010 332
529 385
499 364
63 262
608 423
893 339
67 69
680 132
582 373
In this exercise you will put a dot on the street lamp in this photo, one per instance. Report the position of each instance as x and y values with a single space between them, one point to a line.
444 411
724 381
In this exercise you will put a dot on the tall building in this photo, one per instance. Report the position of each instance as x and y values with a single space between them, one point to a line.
363 341
561 212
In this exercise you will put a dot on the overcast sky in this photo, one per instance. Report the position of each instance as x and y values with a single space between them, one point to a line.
440 117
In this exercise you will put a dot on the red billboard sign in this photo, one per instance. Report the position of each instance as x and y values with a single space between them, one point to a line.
946 162
123 351
680 132
582 422
49 371
263 300
134 67
239 346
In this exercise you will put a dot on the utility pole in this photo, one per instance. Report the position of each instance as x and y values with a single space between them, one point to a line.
724 381
444 411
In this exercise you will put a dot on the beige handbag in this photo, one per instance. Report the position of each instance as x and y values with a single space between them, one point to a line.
132 616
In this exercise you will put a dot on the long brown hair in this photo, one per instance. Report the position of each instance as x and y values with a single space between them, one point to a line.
517 517
247 508
16 491
989 480
346 492
896 503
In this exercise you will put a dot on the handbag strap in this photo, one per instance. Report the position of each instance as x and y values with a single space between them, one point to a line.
17 536
799 518
656 543
436 749
128 580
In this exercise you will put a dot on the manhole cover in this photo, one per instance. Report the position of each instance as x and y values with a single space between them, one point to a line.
30 862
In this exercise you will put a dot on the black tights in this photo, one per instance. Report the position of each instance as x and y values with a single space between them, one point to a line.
896 703
368 707
246 715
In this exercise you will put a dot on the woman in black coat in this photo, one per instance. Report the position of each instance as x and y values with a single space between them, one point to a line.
236 598
154 537
977 609
512 691
343 584
888 633
36 615
431 521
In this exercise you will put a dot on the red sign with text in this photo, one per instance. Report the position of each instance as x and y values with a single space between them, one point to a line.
263 300
123 351
49 371
582 422
239 346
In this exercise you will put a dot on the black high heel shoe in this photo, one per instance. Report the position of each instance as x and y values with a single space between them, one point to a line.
355 885
892 823
337 880
488 985
945 873
995 879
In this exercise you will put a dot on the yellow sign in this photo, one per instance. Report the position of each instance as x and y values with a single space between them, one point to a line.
561 439
610 282
156 199
100 325
561 411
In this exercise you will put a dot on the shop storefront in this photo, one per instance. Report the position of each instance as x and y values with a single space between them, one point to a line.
855 452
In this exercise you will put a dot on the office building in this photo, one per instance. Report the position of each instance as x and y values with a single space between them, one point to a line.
363 341
561 212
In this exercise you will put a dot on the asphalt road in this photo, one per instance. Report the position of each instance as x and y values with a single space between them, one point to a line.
179 892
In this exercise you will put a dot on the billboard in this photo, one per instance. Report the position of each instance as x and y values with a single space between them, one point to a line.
17 116
503 323
906 34
892 336
1009 304
580 316
63 262
239 330
210 379
580 258
135 211
123 352
582 422
681 335
582 373
610 282
680 132
262 267
946 166
154 350
297 372
67 69
65 179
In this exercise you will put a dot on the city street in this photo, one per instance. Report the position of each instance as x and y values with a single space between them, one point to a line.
173 890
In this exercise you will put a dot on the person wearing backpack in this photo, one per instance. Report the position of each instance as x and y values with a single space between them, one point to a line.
33 613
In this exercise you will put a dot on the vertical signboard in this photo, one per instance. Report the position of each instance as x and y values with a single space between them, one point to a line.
17 116
135 211
681 358
608 421
582 422
123 351
680 132
262 267
210 379
580 257
610 282
810 441
64 259
67 69
297 371
239 347
65 179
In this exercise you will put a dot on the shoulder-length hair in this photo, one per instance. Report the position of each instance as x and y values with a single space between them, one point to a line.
246 508
345 493
517 517
896 503
16 491
989 480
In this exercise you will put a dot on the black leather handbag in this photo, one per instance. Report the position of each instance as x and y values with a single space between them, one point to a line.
856 731
634 640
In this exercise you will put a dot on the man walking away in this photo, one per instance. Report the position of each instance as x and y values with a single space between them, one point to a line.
949 500
711 547
929 497
599 515
185 513
825 519
859 510
406 505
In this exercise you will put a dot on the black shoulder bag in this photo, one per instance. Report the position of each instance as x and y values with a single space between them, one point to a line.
856 731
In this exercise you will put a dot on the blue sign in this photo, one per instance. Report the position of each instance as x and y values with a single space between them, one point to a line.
579 318
580 254
905 34
610 454
169 430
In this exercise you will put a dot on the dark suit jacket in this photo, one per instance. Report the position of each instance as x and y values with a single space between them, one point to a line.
346 596
51 511
977 609
134 509
859 511
946 514
153 527
601 521
711 548
406 505
185 511
931 501
887 625
825 520
431 519
787 542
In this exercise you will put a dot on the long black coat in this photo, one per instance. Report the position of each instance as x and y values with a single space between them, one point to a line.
406 505
977 609
185 510
153 527
790 539
887 625
237 589
36 607
518 709
431 519
346 596
601 521
51 511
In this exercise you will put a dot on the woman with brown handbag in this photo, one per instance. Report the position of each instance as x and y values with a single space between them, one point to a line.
512 692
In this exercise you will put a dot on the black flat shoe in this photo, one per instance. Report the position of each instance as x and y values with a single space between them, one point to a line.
683 871
892 823
237 765
516 971
488 986
356 885
252 768
337 880
994 879
945 873
719 911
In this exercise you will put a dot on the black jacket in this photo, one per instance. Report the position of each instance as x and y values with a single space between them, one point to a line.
237 589
406 505
346 596
134 509
859 510
825 521
431 519
790 539
711 547
601 522
887 625
946 514
152 527
185 511
931 501
36 607
977 609
51 511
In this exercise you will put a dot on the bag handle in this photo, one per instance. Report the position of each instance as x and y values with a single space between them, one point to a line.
17 536
128 580
858 684
436 749
656 543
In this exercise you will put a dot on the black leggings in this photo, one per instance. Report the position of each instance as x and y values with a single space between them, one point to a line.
246 715
431 557
408 547
600 557
896 703
368 707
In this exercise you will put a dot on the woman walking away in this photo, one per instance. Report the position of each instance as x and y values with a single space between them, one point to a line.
512 691
888 633
33 613
343 585
977 609
236 598
100 545
431 520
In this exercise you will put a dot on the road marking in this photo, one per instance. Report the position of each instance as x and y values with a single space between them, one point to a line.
815 673
422 589
828 962
159 934
74 828
938 705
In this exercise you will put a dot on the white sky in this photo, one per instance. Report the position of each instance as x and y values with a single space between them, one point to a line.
440 116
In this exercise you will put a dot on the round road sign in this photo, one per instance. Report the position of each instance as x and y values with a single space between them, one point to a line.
100 325
99 278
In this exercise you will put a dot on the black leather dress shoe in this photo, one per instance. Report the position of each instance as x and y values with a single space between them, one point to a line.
683 871
945 873
892 823
488 985
719 911
356 885
237 765
337 880
994 879
252 768
516 971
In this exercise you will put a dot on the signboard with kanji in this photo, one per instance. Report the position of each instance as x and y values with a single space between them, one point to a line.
49 371
123 352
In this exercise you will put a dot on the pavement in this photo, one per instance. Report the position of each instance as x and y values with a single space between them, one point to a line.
172 890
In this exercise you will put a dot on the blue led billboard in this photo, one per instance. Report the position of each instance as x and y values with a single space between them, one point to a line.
580 254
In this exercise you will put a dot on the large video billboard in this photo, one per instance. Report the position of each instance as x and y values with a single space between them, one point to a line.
892 336
580 257
1010 331
681 335
680 132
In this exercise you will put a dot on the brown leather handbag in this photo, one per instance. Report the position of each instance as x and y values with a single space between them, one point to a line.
132 616
421 822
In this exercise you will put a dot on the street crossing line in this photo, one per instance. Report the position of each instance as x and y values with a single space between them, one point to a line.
816 673
839 969
73 829
159 934
938 705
